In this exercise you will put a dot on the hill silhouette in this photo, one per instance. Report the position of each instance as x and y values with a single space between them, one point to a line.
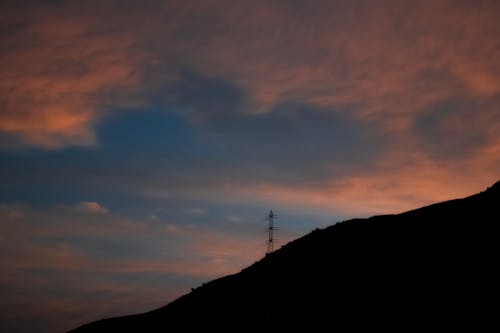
429 268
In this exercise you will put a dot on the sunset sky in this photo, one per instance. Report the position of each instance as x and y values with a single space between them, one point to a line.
142 143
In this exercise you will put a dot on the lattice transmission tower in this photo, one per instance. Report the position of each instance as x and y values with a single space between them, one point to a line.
270 241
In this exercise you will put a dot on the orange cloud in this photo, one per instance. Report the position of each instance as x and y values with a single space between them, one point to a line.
199 252
58 76
40 261
388 65
390 61
91 207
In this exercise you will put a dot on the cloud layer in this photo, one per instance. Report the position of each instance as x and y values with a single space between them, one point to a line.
389 62
142 143
57 260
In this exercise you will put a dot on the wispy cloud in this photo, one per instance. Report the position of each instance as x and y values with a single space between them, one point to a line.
91 207
107 258
333 108
390 66
59 74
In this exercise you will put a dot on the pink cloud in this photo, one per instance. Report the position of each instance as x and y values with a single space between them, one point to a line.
91 207
390 61
63 276
199 252
403 179
387 65
58 75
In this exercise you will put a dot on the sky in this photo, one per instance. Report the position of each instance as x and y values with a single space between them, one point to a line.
142 143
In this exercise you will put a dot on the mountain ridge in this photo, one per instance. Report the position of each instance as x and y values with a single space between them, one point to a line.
430 264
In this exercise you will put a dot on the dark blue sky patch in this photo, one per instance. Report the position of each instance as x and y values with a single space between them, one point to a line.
205 97
153 130
36 176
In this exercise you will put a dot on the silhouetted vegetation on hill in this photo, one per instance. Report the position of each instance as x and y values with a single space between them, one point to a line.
433 267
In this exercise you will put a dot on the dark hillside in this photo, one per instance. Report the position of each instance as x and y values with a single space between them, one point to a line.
432 267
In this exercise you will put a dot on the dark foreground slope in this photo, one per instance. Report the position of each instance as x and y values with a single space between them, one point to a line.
434 267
